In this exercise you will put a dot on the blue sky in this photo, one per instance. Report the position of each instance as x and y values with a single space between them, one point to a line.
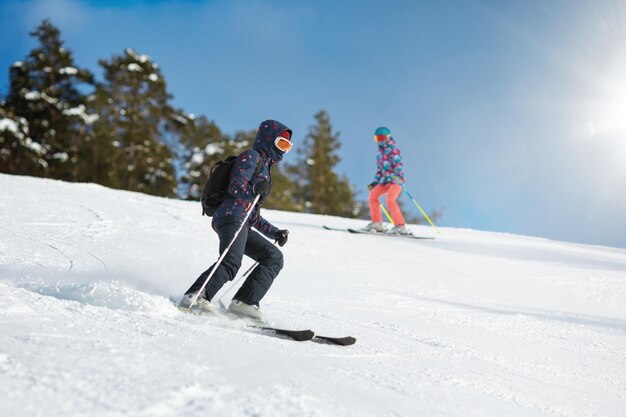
511 115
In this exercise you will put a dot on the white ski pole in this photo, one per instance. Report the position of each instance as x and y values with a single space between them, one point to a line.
223 255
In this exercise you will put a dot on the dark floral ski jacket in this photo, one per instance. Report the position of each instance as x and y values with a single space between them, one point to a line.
242 179
388 163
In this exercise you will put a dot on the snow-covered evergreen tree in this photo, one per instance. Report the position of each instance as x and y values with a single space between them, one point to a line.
45 96
130 144
17 149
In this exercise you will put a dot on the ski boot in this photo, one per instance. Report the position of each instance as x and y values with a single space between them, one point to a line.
375 227
400 229
243 310
202 305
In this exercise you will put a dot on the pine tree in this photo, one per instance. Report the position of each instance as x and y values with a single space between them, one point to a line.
129 148
45 92
17 150
321 190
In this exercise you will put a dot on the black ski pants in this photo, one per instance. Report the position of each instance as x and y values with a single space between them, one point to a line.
249 242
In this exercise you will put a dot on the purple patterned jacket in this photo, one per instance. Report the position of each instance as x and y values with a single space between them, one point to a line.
388 163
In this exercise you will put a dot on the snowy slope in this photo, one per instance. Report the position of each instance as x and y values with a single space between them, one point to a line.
469 324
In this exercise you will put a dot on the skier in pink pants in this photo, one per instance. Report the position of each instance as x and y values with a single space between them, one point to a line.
388 180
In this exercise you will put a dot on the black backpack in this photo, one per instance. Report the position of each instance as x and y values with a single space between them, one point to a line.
216 186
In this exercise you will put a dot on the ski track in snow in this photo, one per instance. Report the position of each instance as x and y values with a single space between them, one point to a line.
470 324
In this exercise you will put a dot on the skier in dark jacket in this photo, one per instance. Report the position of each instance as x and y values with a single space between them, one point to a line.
272 141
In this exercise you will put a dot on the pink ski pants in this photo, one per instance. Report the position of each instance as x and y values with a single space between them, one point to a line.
392 191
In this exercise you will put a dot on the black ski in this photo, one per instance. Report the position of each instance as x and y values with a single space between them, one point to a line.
306 335
297 335
342 341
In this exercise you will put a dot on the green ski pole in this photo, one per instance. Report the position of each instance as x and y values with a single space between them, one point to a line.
420 209
387 214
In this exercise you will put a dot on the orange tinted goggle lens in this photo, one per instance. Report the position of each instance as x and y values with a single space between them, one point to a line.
380 138
283 144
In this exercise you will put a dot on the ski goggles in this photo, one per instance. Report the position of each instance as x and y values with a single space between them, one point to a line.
283 144
380 138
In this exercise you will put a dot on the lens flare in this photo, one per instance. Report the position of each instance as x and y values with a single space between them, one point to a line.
607 108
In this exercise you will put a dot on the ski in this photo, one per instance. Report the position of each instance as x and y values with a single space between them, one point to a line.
307 335
297 335
335 228
265 329
411 236
365 232
341 341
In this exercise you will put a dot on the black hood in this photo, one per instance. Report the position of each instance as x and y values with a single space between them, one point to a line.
265 137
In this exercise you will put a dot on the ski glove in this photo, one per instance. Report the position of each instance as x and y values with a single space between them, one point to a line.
281 237
371 185
262 188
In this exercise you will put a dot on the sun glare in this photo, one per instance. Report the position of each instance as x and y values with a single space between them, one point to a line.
602 110
607 111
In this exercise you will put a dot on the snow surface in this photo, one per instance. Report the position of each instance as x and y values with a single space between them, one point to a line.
470 324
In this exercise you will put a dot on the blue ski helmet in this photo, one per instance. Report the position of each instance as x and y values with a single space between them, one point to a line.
382 131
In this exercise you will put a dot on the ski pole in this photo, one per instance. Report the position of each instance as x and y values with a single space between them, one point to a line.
387 214
420 209
219 300
223 255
